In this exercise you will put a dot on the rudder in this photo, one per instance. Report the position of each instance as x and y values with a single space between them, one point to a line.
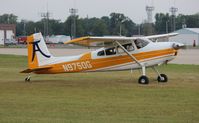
38 53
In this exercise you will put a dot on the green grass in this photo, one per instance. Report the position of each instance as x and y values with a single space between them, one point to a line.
108 97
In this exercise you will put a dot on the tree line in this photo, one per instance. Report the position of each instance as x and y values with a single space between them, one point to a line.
114 24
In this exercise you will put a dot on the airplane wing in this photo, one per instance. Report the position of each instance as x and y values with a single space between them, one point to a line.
161 36
98 41
104 41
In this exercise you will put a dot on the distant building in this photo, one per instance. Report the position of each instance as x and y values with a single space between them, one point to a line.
7 33
187 36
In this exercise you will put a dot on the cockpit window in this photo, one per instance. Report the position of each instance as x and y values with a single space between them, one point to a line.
140 43
110 51
115 50
101 53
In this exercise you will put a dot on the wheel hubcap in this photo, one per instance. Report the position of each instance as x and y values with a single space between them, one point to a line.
142 80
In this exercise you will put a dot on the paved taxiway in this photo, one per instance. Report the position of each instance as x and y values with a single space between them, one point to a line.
185 56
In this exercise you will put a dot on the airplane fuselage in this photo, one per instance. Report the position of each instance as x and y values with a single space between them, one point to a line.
150 55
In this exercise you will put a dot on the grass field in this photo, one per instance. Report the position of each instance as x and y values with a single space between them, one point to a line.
108 97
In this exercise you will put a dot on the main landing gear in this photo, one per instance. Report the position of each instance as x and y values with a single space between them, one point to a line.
145 80
161 77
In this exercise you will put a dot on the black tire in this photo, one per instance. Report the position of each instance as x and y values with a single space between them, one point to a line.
27 79
164 78
143 80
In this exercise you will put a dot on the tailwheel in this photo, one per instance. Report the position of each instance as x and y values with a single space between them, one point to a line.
27 79
143 80
162 78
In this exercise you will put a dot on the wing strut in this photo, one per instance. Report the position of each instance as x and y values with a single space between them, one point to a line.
132 57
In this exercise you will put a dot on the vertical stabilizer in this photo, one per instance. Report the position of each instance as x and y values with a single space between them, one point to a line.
38 54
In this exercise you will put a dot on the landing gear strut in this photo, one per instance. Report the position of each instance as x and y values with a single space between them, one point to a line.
161 77
143 79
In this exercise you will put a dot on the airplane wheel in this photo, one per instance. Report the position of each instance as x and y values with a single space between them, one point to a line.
143 80
27 79
163 78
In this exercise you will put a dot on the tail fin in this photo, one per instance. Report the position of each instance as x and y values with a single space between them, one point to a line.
38 54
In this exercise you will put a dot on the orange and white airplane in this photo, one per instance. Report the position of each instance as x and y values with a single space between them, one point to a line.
117 53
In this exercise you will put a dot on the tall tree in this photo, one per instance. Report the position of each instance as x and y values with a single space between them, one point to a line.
129 27
192 21
55 27
116 21
119 23
8 19
162 23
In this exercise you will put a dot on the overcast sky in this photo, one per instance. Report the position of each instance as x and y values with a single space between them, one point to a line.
134 9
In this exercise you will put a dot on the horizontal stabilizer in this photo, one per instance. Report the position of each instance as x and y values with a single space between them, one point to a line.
35 69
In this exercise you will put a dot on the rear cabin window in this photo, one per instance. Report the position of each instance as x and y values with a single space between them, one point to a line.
140 43
109 51
101 53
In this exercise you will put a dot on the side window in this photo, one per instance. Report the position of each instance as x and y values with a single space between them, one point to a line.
128 47
110 51
101 53
140 43
119 50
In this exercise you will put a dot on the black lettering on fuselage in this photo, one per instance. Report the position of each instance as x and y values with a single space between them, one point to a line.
37 48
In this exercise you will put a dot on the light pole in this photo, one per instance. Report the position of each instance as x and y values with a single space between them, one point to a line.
46 16
24 27
120 29
139 29
73 13
167 31
121 26
173 11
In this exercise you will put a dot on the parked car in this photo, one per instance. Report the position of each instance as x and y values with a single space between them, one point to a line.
22 39
10 42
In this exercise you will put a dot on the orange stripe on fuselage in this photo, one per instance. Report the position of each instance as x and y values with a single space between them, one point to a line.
104 62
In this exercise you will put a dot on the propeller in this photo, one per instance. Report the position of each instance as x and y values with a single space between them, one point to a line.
177 46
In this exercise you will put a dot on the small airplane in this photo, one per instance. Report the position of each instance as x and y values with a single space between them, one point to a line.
117 53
